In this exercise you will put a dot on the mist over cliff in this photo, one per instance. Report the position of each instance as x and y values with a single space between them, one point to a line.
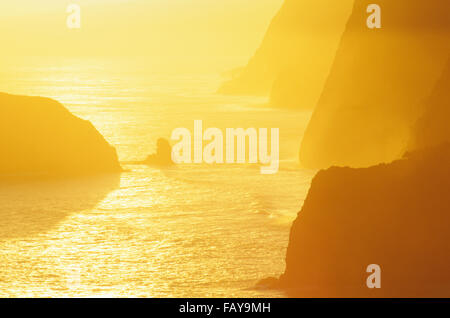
295 56
379 80
394 215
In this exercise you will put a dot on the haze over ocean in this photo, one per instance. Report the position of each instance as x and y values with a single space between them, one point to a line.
191 230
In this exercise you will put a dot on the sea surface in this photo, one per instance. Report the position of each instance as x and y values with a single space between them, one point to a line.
187 231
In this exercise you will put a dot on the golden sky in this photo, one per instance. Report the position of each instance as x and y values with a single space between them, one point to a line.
145 28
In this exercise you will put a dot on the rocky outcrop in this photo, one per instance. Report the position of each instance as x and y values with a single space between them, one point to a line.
396 216
163 155
296 54
39 138
377 81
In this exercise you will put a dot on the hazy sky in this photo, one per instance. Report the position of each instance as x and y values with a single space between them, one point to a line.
153 28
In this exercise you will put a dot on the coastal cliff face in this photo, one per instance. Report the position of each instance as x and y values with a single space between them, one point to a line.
296 54
433 127
376 85
395 215
40 138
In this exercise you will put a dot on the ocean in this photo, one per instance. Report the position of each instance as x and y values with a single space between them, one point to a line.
186 231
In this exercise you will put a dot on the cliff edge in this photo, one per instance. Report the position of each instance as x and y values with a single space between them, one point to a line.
396 216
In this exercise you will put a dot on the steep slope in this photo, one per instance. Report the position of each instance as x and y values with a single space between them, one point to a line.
395 215
40 138
378 79
433 127
297 52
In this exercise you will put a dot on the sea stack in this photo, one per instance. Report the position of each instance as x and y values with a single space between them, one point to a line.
163 155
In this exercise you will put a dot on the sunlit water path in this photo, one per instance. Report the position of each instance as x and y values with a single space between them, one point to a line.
191 230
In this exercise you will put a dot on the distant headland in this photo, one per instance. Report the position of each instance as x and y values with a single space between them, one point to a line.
40 138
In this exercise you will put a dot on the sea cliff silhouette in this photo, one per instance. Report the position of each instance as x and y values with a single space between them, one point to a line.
40 138
377 84
295 55
394 215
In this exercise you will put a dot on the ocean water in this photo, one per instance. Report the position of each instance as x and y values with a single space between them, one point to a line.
187 231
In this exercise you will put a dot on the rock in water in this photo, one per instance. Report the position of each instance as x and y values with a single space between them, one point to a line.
163 155
41 138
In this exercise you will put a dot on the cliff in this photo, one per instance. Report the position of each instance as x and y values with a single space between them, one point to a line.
40 138
395 215
376 85
433 127
296 54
